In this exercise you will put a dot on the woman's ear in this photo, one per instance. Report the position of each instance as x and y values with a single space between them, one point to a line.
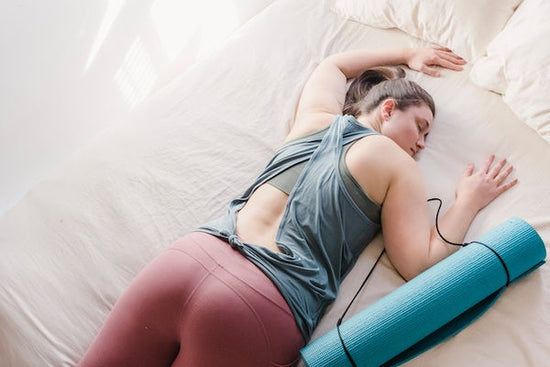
386 109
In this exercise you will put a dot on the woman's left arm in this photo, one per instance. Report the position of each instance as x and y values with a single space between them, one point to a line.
475 190
410 243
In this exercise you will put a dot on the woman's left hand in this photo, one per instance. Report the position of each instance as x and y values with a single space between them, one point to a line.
427 59
477 189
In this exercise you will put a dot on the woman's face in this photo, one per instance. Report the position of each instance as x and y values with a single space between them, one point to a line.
408 128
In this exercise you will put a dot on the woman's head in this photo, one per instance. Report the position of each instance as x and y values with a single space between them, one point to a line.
396 107
375 85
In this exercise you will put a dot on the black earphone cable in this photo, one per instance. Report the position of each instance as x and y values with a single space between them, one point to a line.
437 224
468 243
339 322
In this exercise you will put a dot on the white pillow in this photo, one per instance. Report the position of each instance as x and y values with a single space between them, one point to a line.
518 65
464 26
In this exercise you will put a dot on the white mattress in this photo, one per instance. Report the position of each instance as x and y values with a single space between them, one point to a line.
73 244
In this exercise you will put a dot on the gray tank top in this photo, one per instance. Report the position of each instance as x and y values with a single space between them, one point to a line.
322 231
286 180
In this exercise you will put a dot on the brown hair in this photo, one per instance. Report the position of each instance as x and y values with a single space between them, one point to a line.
375 85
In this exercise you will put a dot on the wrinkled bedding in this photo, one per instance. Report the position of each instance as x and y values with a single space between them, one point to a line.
73 244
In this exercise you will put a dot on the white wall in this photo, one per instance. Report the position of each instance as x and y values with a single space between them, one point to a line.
70 68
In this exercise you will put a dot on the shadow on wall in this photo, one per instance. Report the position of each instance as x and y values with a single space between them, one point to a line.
73 68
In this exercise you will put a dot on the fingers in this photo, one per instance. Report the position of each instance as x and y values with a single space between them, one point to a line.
441 48
451 61
499 173
496 170
441 57
502 175
430 71
469 170
488 182
488 163
506 186
450 65
449 53
450 56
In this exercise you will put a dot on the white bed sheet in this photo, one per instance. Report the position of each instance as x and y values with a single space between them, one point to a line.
73 244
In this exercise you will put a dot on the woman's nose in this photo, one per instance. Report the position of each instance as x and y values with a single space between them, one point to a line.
421 143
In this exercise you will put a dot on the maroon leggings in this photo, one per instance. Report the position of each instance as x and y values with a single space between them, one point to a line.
202 304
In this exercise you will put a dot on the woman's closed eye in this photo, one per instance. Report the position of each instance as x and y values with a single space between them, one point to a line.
423 126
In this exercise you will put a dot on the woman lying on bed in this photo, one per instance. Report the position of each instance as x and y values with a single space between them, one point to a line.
249 288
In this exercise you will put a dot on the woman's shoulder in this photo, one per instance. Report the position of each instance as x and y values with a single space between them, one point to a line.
380 148
309 123
376 161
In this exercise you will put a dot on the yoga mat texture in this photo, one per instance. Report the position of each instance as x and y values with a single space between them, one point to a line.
434 305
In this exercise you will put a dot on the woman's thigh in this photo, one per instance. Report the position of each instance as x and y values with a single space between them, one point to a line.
199 303
143 327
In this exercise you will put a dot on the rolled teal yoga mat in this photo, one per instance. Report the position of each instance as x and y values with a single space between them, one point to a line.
434 305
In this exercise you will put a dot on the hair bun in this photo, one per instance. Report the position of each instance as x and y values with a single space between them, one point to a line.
359 88
375 85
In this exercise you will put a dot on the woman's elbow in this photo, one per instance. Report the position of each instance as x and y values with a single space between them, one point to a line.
412 269
409 264
410 273
437 252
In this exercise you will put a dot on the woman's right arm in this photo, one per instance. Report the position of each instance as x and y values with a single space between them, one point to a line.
324 94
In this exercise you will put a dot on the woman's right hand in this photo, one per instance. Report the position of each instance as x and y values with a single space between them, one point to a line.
477 190
427 59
